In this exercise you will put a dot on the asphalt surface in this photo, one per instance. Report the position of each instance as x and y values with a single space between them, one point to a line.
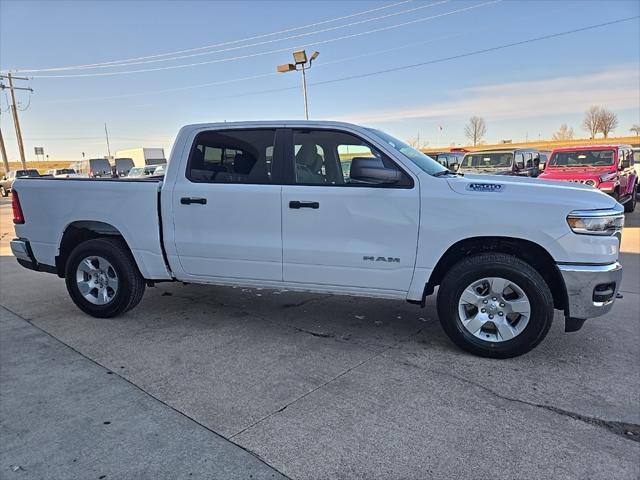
316 386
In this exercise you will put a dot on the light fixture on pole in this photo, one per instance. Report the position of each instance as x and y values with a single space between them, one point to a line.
301 63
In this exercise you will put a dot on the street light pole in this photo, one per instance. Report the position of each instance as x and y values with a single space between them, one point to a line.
301 63
304 94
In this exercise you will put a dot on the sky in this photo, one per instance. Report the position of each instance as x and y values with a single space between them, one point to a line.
413 68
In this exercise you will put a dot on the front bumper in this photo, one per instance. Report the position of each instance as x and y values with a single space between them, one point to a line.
591 289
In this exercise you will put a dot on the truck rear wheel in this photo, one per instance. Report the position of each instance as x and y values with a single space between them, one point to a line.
102 278
495 305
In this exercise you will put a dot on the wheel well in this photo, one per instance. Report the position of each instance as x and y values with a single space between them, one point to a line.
530 252
78 232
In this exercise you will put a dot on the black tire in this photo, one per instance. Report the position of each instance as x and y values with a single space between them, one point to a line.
131 284
475 267
3 192
630 206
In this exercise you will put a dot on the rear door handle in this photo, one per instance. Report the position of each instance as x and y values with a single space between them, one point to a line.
190 200
296 205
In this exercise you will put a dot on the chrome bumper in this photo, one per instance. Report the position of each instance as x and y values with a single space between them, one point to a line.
591 289
20 250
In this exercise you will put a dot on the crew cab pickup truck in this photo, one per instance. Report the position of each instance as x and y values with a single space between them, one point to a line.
269 204
609 168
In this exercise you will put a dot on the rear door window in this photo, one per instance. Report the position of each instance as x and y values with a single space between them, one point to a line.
232 156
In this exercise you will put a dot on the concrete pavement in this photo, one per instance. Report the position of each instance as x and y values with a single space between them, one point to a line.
65 417
338 387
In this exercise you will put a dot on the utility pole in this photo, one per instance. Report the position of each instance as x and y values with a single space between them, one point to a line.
5 162
106 134
14 111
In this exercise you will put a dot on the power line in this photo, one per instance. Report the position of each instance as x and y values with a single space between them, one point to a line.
254 77
287 49
257 44
445 59
223 44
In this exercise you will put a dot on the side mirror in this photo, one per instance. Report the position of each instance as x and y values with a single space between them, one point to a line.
372 170
520 165
625 164
454 167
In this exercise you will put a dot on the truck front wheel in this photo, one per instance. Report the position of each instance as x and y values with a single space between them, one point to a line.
102 278
495 305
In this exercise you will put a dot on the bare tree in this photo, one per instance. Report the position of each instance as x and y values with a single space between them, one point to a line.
608 122
591 122
415 142
635 129
564 133
475 130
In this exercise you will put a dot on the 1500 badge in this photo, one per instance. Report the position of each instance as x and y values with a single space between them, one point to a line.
485 187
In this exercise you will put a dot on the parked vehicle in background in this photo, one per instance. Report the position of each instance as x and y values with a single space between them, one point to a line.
610 168
62 173
267 204
522 162
160 169
137 172
122 166
6 184
143 156
544 159
93 168
636 165
450 160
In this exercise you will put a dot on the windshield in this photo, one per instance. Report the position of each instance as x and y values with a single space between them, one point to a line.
422 161
582 158
487 160
27 173
135 171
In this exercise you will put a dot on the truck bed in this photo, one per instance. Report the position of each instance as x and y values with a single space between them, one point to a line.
51 205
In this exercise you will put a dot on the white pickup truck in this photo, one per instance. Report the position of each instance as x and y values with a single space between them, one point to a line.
331 207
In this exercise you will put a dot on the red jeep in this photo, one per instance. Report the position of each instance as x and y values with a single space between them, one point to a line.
607 167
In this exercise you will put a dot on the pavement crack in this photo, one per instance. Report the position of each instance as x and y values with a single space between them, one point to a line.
630 431
169 406
305 302
315 389
341 374
316 334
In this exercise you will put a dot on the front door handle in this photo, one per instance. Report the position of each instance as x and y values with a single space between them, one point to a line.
296 205
190 200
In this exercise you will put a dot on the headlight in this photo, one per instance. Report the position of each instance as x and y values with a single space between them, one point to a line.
596 222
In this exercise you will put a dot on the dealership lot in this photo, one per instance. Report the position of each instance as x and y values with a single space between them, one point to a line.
315 386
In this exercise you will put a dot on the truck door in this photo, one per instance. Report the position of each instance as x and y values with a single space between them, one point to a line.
340 233
226 207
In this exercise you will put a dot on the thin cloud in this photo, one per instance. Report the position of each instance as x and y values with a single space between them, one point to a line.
616 88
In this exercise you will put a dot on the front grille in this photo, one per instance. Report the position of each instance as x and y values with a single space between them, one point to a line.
589 182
